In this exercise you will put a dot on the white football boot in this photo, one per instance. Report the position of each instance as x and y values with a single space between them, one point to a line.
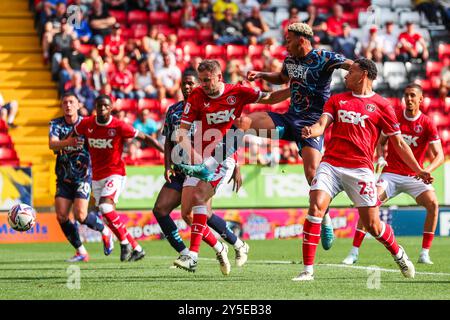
405 265
241 254
304 276
222 257
424 258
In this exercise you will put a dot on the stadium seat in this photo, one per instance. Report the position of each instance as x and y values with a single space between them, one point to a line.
175 18
443 51
186 34
403 4
433 68
269 18
85 48
426 85
3 126
439 119
137 16
139 30
278 52
165 104
158 17
205 36
222 62
193 50
444 134
166 29
150 104
382 3
125 104
395 102
235 51
255 51
121 16
150 155
214 51
5 141
351 18
281 15
7 154
258 63
127 33
412 16
387 15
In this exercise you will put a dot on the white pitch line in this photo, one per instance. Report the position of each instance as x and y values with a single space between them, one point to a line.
326 265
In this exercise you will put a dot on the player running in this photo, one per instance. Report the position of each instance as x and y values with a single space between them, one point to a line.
73 179
358 118
106 135
170 195
420 134
308 72
215 104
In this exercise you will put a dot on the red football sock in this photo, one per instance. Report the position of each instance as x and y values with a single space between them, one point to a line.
116 225
427 240
132 241
387 238
198 227
209 237
311 238
358 238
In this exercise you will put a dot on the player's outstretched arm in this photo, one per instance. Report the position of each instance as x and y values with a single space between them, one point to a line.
275 96
272 77
405 153
437 156
151 141
55 144
318 128
347 64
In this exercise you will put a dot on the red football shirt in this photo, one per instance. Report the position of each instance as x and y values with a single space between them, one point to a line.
357 123
121 79
417 132
412 39
114 44
105 144
217 114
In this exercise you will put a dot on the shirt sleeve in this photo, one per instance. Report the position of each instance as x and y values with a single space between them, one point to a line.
284 69
249 95
329 108
334 60
80 127
389 122
433 135
128 131
191 111
55 130
166 127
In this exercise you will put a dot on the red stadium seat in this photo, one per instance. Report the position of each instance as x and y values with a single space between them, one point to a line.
222 62
443 51
127 33
7 154
258 64
5 141
151 104
278 52
121 16
150 154
193 50
255 50
3 126
125 104
86 48
165 104
395 102
439 119
205 36
235 51
433 68
166 29
137 16
139 30
158 17
444 134
351 18
184 34
214 51
175 18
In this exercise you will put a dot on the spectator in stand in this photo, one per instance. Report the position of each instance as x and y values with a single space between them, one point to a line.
122 82
150 43
389 42
169 79
81 28
98 78
287 156
101 21
174 5
204 16
266 5
444 82
229 30
411 45
335 22
94 55
220 8
301 5
318 23
144 82
157 5
133 153
444 8
72 61
132 53
51 28
145 123
428 8
84 5
8 111
245 8
84 94
273 65
233 72
115 44
61 42
121 5
193 64
188 14
156 61
346 44
255 27
372 46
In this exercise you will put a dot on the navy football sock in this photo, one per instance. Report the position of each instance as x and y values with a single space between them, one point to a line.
170 230
94 222
220 226
71 232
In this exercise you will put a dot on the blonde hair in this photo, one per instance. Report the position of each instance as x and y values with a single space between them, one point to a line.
301 29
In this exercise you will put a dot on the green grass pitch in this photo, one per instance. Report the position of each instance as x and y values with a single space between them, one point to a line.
38 271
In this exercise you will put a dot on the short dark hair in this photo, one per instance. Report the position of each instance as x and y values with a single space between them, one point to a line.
369 66
69 94
103 97
190 73
209 65
414 86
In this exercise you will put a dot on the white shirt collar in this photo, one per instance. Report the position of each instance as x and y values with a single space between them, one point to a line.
363 96
411 119
104 124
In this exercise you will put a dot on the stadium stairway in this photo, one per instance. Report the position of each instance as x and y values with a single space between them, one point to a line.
24 77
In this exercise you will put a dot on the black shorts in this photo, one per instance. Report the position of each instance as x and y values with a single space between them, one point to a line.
72 191
177 181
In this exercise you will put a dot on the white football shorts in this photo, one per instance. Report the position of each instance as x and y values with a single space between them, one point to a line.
395 184
110 187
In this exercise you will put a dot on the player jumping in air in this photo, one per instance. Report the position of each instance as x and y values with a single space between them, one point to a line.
216 105
105 136
308 72
420 134
358 117
170 195
73 179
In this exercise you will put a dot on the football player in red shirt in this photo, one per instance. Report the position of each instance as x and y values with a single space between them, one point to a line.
106 136
358 117
420 134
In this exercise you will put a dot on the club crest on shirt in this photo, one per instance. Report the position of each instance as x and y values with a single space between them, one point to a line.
370 107
231 100
111 132
418 128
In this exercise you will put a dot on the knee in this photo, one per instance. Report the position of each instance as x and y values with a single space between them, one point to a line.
243 123
374 228
187 217
310 172
61 218
316 211
159 211
80 214
433 207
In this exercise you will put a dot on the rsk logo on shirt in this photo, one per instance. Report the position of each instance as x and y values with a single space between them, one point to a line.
410 140
100 143
352 117
220 117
